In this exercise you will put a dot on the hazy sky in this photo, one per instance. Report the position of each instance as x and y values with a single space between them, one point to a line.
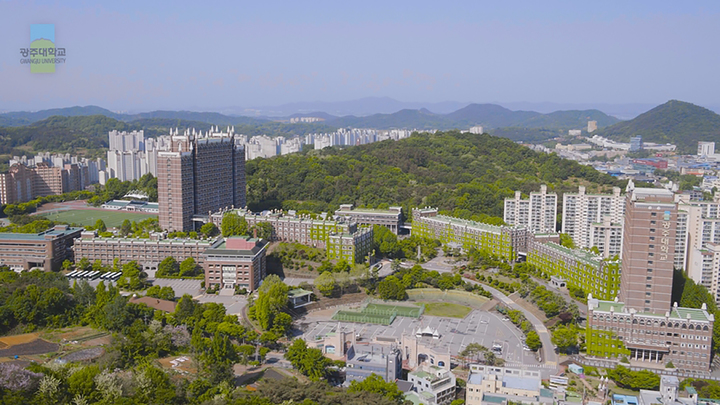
140 55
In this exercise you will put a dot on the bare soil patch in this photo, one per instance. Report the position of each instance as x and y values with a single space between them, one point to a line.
10 341
38 346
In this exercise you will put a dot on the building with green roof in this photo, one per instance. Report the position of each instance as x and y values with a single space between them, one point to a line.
45 250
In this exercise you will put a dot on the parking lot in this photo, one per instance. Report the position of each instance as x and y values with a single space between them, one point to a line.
480 327
233 304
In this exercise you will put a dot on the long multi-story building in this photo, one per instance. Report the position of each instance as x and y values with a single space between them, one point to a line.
594 220
227 262
235 262
577 267
390 218
342 239
45 250
682 336
503 241
200 174
538 213
641 323
148 253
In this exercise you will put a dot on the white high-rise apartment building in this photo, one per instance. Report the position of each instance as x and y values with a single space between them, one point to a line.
595 220
706 149
538 213
126 142
131 156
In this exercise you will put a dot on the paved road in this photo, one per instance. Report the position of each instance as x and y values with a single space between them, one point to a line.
549 356
548 348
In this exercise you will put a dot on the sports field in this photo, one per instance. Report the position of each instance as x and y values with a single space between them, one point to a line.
399 310
447 309
89 217
383 314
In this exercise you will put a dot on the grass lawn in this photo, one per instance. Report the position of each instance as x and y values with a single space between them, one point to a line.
89 217
445 309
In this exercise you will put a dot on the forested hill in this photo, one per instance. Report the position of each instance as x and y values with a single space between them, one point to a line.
465 174
677 122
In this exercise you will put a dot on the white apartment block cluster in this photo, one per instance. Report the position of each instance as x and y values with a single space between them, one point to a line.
595 220
263 146
88 167
538 212
131 156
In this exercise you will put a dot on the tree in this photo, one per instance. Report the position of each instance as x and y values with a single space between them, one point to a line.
100 226
325 283
342 266
83 264
391 289
168 267
567 241
282 324
126 228
635 380
309 361
272 298
565 338
188 267
163 293
67 265
209 230
533 340
233 224
375 383
263 230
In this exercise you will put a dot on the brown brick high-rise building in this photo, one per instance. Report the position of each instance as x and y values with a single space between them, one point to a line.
199 175
648 250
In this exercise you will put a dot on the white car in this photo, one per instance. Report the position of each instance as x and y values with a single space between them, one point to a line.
506 319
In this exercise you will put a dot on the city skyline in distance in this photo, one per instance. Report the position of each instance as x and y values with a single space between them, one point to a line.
213 57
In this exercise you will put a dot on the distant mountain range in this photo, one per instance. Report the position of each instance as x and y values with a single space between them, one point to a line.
677 122
487 115
25 118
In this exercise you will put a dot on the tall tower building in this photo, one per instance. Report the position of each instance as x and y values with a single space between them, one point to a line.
200 174
648 250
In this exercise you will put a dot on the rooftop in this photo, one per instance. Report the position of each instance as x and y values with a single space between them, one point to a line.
298 292
465 222
58 231
579 254
678 313
521 383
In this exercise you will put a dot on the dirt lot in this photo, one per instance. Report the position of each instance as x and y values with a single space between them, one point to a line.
38 346
85 334
10 341
187 366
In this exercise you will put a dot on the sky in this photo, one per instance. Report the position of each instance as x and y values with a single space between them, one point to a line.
147 55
